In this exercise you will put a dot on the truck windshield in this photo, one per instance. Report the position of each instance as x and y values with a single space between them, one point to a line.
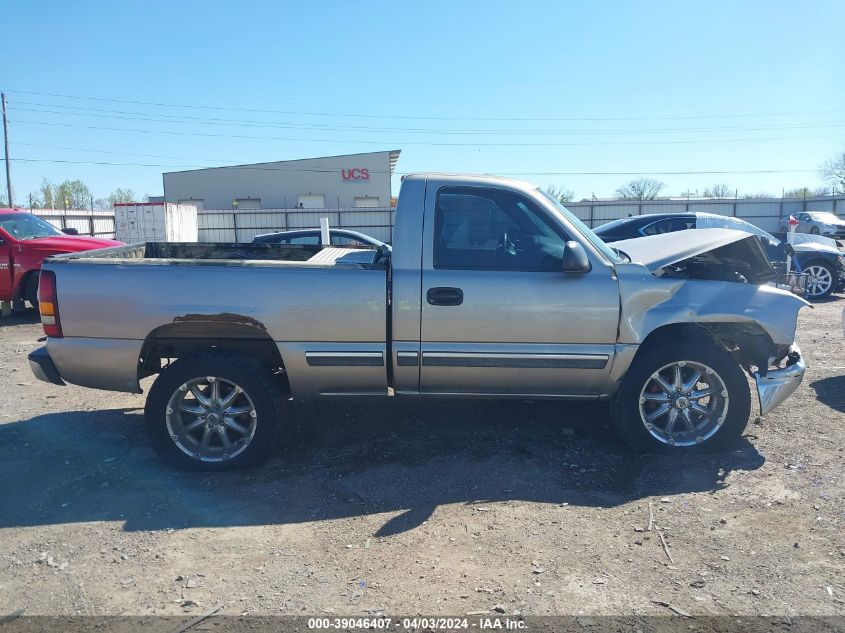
585 231
25 226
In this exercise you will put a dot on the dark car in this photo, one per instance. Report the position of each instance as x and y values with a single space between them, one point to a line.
817 256
311 237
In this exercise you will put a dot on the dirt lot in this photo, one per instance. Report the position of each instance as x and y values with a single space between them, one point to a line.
422 507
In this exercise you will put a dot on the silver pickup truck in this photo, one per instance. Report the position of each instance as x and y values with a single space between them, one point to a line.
492 289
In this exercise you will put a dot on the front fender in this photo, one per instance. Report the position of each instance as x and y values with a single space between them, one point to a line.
648 302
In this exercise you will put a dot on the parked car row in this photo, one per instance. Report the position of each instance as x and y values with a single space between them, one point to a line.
819 257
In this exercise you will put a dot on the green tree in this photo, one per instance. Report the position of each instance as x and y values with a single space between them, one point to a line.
640 189
121 195
72 194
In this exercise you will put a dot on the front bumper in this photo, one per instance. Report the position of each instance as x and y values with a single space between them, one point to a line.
778 384
43 368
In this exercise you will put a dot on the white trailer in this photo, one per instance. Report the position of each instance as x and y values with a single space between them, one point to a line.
155 222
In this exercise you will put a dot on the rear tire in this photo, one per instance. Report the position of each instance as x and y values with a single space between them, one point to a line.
730 400
814 230
196 425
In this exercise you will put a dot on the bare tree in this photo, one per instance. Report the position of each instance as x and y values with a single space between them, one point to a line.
560 194
719 190
833 171
759 194
806 192
640 189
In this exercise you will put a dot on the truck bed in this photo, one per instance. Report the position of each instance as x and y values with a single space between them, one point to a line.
221 253
302 299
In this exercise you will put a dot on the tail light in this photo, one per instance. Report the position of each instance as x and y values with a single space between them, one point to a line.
48 304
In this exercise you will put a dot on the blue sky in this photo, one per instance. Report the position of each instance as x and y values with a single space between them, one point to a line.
538 89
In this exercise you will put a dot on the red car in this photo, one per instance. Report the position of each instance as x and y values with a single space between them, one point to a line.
25 242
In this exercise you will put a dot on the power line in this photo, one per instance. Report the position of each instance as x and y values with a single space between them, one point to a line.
183 119
530 173
512 173
421 117
425 143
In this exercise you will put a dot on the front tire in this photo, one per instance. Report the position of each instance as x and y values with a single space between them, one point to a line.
682 398
215 410
814 230
823 279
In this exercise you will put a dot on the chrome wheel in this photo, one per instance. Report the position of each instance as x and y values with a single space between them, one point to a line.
211 419
819 281
683 403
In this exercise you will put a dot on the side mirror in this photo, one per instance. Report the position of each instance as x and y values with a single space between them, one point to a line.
575 260
70 231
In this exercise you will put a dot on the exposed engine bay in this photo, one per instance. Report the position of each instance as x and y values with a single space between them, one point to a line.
744 261
711 254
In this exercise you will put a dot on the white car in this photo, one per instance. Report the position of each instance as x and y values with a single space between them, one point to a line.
816 222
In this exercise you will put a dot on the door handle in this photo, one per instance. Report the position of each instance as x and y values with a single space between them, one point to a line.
445 296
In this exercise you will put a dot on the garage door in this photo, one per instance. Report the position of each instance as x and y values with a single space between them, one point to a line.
311 201
197 202
249 203
366 203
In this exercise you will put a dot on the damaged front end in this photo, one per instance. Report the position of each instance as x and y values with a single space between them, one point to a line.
721 281
776 383
777 370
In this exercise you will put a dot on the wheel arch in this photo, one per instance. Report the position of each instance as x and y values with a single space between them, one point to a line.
747 342
192 335
19 292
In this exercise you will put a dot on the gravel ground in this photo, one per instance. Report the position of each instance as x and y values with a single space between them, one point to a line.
422 507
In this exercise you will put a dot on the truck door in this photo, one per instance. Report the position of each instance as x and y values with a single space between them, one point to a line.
499 316
6 270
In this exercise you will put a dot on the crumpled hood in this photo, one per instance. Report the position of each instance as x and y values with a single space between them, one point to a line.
809 243
657 251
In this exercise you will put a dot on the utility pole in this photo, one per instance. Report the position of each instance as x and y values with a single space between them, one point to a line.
6 143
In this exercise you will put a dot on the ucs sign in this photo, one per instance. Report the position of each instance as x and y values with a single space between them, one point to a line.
355 175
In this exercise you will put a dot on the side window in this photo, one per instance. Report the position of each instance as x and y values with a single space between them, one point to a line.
655 228
308 240
492 229
343 240
668 225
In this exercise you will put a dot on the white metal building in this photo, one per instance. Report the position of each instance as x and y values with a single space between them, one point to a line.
331 182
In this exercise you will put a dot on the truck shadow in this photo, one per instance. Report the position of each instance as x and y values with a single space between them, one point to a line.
27 316
342 459
831 391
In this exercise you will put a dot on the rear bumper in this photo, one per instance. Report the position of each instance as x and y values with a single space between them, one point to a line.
43 368
778 384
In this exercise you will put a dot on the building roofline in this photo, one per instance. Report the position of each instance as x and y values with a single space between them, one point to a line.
393 157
